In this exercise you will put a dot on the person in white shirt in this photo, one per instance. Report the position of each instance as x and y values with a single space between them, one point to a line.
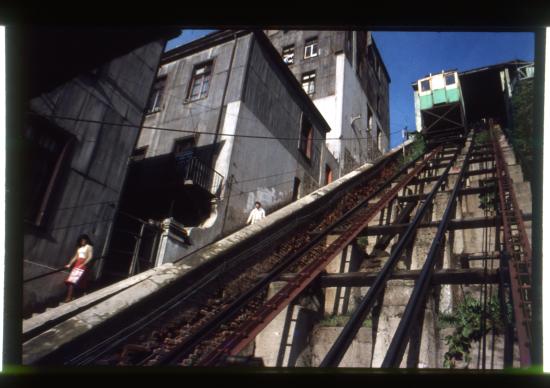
79 273
256 214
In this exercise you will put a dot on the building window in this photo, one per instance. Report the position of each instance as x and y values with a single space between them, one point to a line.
349 42
48 148
425 85
328 174
311 48
296 189
450 79
200 82
139 153
308 82
155 100
288 55
369 119
184 144
306 138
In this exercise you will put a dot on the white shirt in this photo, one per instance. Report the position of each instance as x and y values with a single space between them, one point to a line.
85 252
256 215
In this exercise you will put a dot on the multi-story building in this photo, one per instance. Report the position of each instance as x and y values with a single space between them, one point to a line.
228 124
88 91
345 76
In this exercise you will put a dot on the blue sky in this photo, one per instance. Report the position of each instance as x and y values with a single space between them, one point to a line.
185 37
411 55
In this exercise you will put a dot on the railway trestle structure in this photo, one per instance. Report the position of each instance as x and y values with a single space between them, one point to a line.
412 217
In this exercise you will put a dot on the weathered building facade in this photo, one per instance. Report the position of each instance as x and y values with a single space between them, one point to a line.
79 133
228 125
345 76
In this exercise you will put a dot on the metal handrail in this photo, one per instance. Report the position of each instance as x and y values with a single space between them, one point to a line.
191 168
55 271
44 274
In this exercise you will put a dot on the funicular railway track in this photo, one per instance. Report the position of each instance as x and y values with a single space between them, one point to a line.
225 311
230 328
182 322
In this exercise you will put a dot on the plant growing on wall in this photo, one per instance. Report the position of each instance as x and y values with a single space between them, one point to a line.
417 148
522 136
488 200
362 242
466 320
482 138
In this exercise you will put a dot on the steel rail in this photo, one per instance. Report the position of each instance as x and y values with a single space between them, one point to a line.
184 348
526 245
418 297
344 340
504 296
522 317
249 330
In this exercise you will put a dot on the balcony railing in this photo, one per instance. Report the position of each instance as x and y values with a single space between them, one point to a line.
192 170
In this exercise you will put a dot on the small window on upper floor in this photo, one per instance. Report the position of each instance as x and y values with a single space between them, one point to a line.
184 145
184 151
47 160
311 48
306 138
328 175
425 85
200 82
308 82
139 153
450 79
155 99
288 54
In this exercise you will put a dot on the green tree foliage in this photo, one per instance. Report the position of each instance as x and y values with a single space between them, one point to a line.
362 242
466 320
482 138
417 148
521 135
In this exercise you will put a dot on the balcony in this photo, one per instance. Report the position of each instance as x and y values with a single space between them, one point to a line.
191 171
179 185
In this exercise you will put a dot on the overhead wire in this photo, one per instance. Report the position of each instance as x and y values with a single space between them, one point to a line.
186 130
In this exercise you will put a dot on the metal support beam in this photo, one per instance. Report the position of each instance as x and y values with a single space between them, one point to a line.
468 191
419 295
456 224
344 340
440 277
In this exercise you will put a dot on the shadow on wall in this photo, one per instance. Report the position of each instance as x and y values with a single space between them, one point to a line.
43 292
